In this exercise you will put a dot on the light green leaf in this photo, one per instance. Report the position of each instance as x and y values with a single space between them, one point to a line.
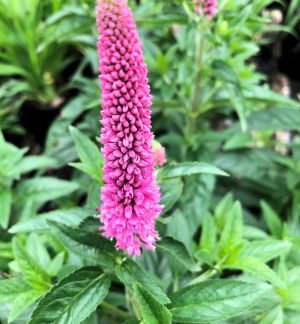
9 70
223 210
189 168
33 274
22 302
266 250
71 217
152 311
73 299
214 300
275 316
257 268
89 154
208 234
44 189
232 234
89 245
12 288
56 264
5 205
31 163
38 251
129 272
272 219
177 251
254 233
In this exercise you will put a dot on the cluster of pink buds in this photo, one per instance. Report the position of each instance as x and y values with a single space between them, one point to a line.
159 151
206 7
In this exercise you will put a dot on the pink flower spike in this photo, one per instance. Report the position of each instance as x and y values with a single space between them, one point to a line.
130 197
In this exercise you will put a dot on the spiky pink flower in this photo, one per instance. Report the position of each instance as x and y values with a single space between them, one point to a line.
207 7
130 197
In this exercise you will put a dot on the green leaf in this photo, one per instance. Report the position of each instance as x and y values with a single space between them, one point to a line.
177 251
208 233
38 251
189 168
56 264
214 300
152 311
22 302
178 229
274 119
89 245
89 154
44 189
238 140
129 272
275 316
266 250
223 210
272 219
12 288
71 217
73 299
257 268
31 163
5 205
231 83
232 234
171 190
8 69
33 274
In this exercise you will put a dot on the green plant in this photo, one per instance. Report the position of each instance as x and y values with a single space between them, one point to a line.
230 240
38 42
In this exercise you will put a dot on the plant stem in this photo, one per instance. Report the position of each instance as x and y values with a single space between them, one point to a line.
197 81
204 276
115 310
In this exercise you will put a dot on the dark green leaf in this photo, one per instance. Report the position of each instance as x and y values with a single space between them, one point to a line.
89 245
129 272
189 168
73 299
171 190
231 83
214 300
178 251
152 311
178 228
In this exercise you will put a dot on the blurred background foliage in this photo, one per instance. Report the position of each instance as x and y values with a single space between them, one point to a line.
225 92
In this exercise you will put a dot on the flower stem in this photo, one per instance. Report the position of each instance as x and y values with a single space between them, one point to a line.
199 47
115 310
